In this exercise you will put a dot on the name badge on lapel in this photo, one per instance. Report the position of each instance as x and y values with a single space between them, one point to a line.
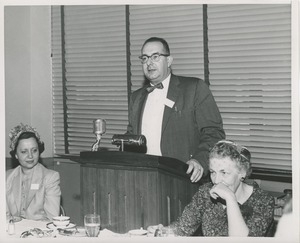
169 103
34 186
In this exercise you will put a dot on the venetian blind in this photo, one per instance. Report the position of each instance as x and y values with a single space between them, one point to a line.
180 25
57 95
96 74
250 76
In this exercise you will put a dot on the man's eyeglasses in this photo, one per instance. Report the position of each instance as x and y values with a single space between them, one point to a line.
155 57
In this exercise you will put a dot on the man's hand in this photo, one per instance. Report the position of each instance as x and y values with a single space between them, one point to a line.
197 169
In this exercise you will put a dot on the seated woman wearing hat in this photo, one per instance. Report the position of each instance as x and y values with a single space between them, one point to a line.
229 205
32 191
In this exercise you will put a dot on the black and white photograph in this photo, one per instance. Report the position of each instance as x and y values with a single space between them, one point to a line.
144 121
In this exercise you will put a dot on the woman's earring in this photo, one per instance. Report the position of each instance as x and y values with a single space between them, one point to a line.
242 178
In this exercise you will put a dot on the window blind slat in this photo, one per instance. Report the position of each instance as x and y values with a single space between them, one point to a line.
250 76
95 48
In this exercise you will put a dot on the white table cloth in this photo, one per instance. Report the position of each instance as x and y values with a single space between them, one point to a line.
26 224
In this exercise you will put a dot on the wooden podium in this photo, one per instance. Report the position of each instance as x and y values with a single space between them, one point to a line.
133 190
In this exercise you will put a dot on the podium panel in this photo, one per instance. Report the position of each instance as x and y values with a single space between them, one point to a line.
133 190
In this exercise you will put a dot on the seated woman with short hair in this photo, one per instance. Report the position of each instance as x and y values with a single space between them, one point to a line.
229 205
32 191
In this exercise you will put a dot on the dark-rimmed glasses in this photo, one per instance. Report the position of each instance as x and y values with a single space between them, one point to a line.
155 57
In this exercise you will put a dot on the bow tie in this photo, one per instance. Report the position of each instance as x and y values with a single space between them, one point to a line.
157 86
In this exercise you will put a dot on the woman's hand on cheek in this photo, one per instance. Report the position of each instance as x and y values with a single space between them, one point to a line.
221 190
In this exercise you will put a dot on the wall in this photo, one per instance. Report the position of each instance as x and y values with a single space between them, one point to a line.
27 40
274 186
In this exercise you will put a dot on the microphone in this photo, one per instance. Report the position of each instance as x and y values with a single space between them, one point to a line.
99 126
128 139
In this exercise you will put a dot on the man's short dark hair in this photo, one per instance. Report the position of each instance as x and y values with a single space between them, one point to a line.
161 40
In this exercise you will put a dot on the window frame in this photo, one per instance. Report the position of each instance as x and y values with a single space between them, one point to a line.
261 173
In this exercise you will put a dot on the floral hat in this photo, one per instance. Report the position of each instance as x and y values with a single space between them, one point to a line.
18 130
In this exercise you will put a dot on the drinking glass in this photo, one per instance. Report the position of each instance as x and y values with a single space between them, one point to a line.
92 224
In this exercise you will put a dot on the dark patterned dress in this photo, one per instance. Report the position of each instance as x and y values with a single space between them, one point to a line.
257 211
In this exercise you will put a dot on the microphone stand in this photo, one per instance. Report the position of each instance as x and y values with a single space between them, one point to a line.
96 145
122 145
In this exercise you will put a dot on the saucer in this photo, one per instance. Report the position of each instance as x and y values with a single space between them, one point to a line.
138 232
74 232
16 219
52 226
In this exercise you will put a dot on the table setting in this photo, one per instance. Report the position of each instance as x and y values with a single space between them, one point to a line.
63 227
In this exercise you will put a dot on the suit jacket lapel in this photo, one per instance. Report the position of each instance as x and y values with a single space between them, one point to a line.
37 178
14 191
139 109
173 93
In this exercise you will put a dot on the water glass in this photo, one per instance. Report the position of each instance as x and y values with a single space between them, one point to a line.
92 224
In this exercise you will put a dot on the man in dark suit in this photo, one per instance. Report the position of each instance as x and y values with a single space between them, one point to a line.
177 115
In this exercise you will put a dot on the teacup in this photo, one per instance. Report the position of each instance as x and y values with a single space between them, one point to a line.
60 221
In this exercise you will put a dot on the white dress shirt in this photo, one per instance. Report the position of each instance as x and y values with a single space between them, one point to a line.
153 117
